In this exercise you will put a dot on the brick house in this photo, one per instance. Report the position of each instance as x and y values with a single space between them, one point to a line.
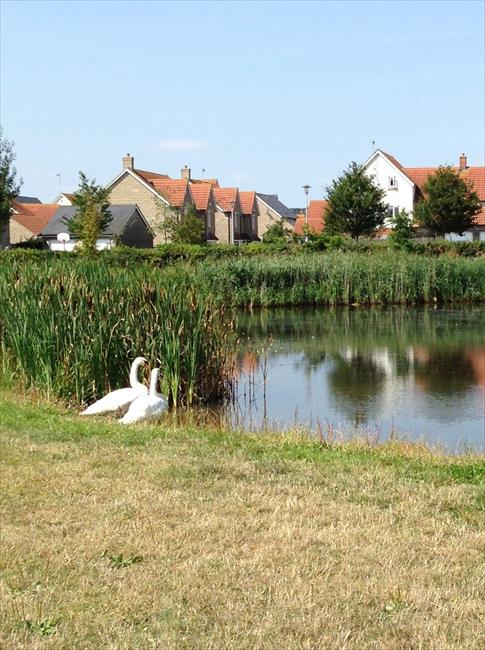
249 216
228 215
155 194
270 211
28 219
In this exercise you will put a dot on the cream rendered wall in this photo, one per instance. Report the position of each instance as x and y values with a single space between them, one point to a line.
18 233
128 191
382 170
221 227
266 217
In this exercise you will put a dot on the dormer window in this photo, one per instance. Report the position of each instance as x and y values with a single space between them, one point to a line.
392 183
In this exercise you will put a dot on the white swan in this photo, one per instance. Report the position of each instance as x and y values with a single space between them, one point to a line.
147 407
120 400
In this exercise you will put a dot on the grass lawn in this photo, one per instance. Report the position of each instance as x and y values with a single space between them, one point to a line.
156 537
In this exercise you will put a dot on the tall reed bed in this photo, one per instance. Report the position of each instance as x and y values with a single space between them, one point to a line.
71 328
345 279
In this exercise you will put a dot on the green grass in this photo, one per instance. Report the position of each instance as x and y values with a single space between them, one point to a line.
188 537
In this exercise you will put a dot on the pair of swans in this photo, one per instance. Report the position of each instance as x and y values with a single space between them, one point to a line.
138 403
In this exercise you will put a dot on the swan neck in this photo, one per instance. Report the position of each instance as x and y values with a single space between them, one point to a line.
153 383
134 383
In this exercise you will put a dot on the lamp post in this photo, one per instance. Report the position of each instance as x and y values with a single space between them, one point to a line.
306 189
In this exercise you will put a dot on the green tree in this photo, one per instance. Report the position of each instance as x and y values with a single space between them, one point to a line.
9 186
355 204
277 233
92 213
190 229
180 228
402 230
449 204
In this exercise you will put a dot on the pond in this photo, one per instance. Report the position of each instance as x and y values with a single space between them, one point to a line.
415 372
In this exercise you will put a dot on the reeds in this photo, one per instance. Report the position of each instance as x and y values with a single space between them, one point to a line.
345 279
72 327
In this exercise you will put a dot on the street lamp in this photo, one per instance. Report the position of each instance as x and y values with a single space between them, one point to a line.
306 189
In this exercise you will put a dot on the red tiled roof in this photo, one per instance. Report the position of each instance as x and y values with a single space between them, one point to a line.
213 182
35 217
226 197
247 200
201 193
316 218
475 175
173 190
149 176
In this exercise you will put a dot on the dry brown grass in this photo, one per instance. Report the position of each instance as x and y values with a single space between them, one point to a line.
238 551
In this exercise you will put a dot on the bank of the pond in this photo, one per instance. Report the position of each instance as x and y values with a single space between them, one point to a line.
199 538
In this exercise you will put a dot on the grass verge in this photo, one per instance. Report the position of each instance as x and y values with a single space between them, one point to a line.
155 536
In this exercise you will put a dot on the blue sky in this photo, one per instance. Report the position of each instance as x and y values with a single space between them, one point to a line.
264 95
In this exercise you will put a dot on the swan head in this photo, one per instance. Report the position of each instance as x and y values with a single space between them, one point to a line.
139 361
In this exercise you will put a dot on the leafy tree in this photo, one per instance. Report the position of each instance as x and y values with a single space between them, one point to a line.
190 229
92 214
450 204
355 204
277 233
9 186
180 228
402 232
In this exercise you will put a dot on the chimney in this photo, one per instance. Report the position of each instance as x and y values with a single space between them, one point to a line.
463 162
128 162
185 173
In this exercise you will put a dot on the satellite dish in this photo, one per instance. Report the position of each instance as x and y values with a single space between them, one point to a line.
63 236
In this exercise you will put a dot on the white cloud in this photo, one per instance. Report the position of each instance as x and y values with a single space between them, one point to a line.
172 144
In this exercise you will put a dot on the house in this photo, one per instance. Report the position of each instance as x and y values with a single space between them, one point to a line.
128 226
228 215
28 219
403 186
28 199
316 217
249 216
205 205
64 198
155 194
271 210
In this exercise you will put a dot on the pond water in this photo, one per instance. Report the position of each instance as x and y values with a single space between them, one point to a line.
417 372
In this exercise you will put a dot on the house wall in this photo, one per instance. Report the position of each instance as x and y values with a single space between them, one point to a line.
101 244
402 196
222 227
266 217
17 233
128 191
136 233
210 219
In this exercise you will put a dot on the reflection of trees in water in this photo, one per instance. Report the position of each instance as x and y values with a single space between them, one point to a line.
444 373
440 338
354 382
398 327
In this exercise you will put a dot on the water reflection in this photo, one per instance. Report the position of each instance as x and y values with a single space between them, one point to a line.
421 371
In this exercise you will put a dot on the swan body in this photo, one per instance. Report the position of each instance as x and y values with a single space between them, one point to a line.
147 407
120 400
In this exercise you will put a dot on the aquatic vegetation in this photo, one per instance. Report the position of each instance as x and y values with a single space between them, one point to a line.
71 327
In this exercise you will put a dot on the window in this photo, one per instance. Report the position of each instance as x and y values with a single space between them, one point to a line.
392 211
392 183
